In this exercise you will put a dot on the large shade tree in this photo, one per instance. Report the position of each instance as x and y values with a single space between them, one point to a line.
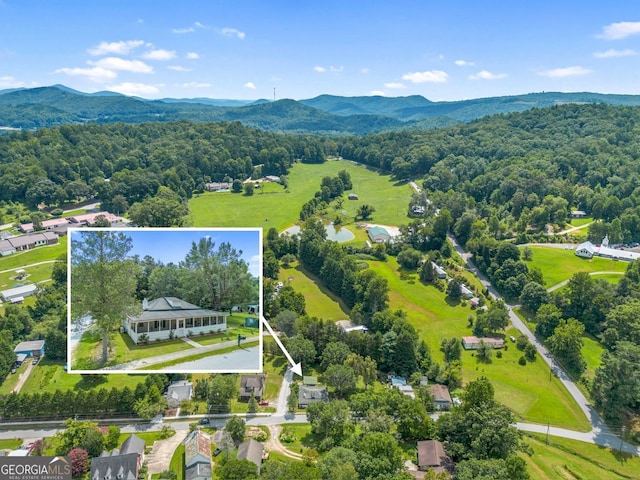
103 280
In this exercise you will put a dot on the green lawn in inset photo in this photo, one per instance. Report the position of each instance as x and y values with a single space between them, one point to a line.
89 350
558 264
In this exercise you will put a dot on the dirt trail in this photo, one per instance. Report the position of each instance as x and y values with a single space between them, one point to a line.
274 445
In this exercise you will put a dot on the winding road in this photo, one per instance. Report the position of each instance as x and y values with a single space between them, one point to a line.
600 433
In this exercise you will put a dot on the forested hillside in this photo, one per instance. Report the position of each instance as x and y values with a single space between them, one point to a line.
523 169
53 166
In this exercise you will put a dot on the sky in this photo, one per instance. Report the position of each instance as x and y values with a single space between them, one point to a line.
172 245
440 49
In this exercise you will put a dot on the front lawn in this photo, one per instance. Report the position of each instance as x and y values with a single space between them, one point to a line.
89 350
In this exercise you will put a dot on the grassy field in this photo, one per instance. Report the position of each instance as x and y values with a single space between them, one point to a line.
320 302
35 274
571 459
280 209
527 390
558 265
579 222
48 376
40 254
274 367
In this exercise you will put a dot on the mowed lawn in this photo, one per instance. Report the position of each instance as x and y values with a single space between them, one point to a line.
35 274
319 301
572 459
40 254
50 376
558 265
279 209
527 390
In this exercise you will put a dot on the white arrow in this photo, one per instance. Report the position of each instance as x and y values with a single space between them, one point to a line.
297 367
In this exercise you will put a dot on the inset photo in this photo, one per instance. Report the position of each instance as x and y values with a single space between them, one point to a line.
165 300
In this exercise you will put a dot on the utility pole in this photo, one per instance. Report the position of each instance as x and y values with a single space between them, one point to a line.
274 94
547 431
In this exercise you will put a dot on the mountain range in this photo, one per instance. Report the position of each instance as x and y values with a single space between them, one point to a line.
324 114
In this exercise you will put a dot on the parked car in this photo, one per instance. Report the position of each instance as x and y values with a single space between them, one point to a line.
13 369
204 421
264 403
217 451
34 361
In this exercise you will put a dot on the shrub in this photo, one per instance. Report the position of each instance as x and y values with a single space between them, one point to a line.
522 360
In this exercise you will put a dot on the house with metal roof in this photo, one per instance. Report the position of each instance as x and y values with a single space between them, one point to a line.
308 394
378 234
32 348
171 317
26 242
18 294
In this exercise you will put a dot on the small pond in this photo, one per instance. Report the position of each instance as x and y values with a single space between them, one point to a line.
334 232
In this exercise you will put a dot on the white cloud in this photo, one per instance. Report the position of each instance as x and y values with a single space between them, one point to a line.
10 82
615 53
394 85
183 30
431 76
95 74
178 68
196 85
200 25
331 68
486 75
565 72
159 54
250 85
232 32
193 56
377 92
364 70
118 48
620 30
115 63
464 63
129 88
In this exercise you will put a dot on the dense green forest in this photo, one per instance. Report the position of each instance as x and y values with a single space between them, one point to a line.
132 162
523 169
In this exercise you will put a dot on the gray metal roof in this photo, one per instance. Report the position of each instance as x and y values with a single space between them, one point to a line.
252 451
133 444
166 308
29 346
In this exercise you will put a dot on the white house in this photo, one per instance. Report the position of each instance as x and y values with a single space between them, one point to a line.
170 317
589 250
